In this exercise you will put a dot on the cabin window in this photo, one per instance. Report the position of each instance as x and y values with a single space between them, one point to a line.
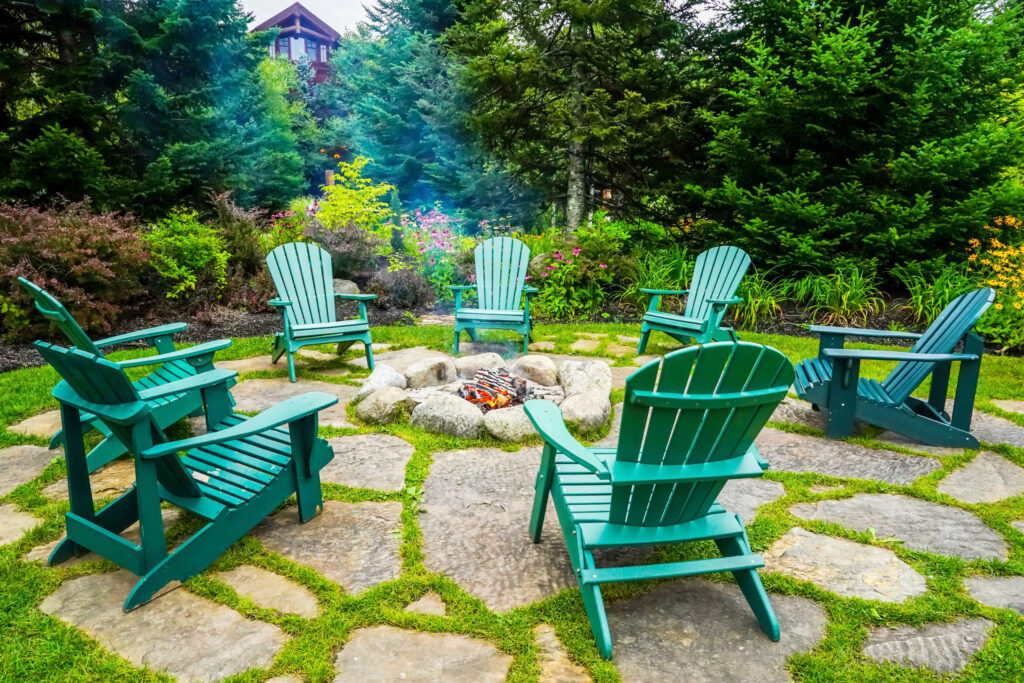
323 53
283 49
311 49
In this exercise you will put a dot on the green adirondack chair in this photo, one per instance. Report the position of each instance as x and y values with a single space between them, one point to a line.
233 476
501 264
302 273
716 275
172 365
685 433
832 381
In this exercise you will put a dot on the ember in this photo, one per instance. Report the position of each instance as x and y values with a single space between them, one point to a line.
490 389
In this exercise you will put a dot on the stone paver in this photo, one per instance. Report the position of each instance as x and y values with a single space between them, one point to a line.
542 346
585 345
822 488
986 479
620 375
844 567
1009 406
259 363
179 633
619 350
1004 592
19 464
109 481
940 647
994 429
353 544
45 425
386 653
799 412
372 461
906 442
431 603
920 524
645 359
14 523
442 320
313 354
707 630
272 591
625 339
255 395
592 335
789 452
401 359
744 496
555 665
41 553
1019 526
476 506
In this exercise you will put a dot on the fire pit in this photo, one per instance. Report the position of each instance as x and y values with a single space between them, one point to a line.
490 389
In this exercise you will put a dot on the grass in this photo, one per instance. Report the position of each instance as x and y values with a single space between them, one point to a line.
37 647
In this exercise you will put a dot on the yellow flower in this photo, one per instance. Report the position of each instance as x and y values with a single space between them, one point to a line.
1016 304
999 307
974 242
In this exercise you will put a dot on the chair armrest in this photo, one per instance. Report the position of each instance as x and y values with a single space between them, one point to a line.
146 334
547 418
529 291
663 291
854 332
203 380
461 288
189 353
295 408
864 354
356 297
279 303
725 302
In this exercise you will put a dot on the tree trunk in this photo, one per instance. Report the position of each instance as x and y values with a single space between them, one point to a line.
576 191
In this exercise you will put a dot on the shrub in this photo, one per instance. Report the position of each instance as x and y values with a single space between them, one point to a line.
669 268
352 249
240 229
354 201
930 293
188 255
289 225
572 286
762 301
845 296
90 262
435 240
402 288
996 264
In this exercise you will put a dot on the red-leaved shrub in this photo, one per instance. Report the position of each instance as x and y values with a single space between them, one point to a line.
91 262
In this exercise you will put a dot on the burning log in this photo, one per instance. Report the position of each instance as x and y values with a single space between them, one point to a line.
490 389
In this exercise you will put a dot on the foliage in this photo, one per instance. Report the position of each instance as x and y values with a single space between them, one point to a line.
578 98
240 229
352 249
844 297
90 262
669 268
354 200
931 292
762 300
864 129
572 286
435 241
189 255
404 289
999 264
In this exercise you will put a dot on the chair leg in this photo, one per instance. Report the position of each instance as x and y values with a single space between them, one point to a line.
645 334
310 496
593 603
109 449
543 490
369 355
279 348
455 343
526 344
291 365
750 585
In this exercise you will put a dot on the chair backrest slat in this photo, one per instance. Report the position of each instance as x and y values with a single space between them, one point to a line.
942 336
716 275
53 310
501 265
302 274
735 388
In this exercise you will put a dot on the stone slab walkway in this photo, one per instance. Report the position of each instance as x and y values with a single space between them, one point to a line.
255 395
21 464
372 461
941 647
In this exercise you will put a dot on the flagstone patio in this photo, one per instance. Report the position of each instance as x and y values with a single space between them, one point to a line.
859 518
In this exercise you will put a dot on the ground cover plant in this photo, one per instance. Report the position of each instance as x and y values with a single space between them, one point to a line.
37 646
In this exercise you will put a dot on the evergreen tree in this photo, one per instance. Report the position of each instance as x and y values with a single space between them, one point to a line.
872 131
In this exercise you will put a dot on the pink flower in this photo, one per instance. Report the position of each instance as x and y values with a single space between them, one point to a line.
557 254
602 265
543 274
576 251
422 249
433 261
472 276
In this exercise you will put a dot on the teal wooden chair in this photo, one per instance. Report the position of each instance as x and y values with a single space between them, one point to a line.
688 427
501 265
171 366
832 381
716 275
233 476
303 276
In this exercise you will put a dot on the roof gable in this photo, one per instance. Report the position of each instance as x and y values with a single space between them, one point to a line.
298 9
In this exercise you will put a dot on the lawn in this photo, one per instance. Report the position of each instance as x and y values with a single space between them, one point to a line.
37 647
